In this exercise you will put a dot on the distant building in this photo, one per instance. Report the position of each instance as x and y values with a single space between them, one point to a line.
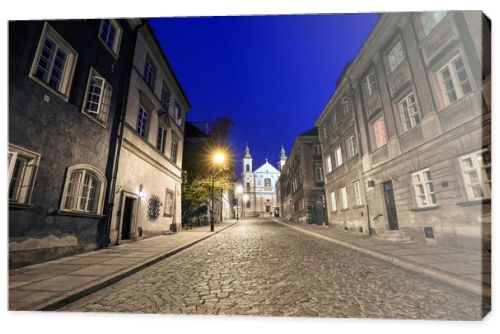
148 182
259 186
67 82
420 93
300 187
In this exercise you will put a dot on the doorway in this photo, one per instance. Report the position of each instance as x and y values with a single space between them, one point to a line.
390 205
127 218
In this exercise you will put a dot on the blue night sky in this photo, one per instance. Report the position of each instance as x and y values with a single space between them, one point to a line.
271 74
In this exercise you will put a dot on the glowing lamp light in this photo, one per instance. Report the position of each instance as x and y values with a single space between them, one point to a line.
142 194
239 189
219 157
245 198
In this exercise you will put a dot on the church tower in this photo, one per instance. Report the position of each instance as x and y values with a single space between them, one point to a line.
282 158
247 161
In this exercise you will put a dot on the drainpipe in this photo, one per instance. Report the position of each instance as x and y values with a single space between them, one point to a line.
119 139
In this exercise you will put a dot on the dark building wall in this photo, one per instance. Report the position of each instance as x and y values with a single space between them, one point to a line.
43 122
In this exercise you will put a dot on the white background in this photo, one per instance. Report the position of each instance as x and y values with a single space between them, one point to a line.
52 322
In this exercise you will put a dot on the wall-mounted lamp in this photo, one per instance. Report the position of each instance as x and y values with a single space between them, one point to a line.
142 194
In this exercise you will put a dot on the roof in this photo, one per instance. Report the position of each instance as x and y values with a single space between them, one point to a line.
310 132
267 168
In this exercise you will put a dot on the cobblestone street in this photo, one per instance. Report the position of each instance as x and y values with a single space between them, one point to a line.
259 267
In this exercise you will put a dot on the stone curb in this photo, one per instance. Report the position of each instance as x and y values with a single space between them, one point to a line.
467 285
60 301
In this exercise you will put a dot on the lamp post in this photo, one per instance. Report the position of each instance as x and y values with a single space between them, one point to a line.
218 158
245 200
239 190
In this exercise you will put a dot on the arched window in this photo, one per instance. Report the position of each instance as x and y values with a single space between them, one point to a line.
83 190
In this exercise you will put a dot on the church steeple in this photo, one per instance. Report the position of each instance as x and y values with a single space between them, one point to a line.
282 157
247 160
247 152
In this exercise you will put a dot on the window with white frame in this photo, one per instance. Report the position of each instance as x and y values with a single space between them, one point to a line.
395 56
431 19
54 62
357 193
343 196
267 184
379 132
318 171
173 150
168 209
83 190
316 150
165 95
110 34
345 105
22 166
328 161
423 188
142 120
410 116
454 80
333 201
352 149
149 72
97 98
338 156
371 83
476 174
177 114
161 138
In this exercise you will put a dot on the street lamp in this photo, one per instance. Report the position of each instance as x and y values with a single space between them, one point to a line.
245 200
218 159
239 190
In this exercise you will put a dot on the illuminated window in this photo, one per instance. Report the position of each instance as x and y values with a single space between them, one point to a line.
54 62
338 156
343 196
476 174
357 193
169 203
173 151
423 188
379 132
333 201
22 166
98 98
329 166
83 190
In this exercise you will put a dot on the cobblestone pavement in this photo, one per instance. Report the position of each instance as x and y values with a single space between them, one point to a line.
259 267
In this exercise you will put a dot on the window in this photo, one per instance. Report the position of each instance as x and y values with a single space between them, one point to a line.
318 172
316 150
168 210
379 132
357 193
142 119
83 190
149 72
110 34
248 185
345 105
454 80
22 166
173 151
409 112
343 196
165 95
371 83
329 166
476 173
54 62
178 114
323 131
423 188
352 150
396 56
431 19
334 121
161 138
247 168
98 98
333 201
248 205
267 184
338 156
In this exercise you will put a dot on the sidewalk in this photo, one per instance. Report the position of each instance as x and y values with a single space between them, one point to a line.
50 285
462 269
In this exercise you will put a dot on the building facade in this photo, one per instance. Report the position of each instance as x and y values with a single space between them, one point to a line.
419 89
259 186
67 82
300 187
147 198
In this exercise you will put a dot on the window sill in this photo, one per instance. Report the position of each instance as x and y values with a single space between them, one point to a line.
475 202
57 93
358 206
79 214
346 209
168 215
425 208
19 206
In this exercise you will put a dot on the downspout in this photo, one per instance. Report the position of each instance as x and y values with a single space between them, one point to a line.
119 140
